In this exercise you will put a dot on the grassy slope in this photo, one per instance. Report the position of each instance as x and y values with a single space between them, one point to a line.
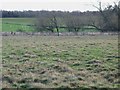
18 20
49 61
10 24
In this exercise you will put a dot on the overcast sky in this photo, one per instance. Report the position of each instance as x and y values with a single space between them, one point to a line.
64 5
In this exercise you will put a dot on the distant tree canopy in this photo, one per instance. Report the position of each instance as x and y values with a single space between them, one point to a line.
30 13
104 19
108 20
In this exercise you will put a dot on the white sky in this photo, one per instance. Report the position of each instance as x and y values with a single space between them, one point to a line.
64 5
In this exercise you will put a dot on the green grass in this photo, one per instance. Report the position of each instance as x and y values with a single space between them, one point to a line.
65 61
16 24
18 20
13 27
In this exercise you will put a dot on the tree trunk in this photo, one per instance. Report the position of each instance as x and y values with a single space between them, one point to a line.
57 31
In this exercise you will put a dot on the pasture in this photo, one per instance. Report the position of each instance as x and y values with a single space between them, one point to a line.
25 25
17 24
60 62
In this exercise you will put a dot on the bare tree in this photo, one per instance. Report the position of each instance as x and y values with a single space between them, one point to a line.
44 24
55 23
47 23
109 18
73 23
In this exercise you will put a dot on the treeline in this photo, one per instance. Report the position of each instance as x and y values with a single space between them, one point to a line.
103 20
30 13
70 21
18 14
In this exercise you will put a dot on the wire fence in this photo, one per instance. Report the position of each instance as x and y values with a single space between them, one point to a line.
55 34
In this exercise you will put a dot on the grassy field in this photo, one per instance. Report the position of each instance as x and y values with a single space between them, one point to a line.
59 62
17 24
